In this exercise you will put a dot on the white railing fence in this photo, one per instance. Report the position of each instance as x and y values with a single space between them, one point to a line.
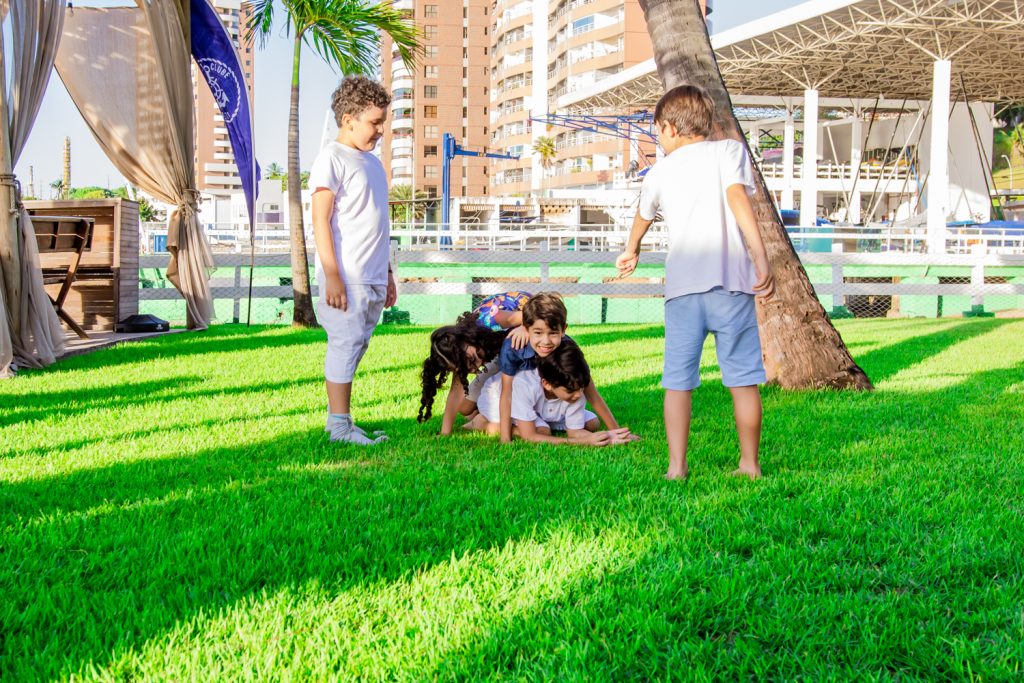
858 284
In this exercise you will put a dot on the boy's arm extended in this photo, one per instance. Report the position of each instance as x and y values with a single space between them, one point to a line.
528 432
323 206
602 410
596 401
739 204
626 263
505 408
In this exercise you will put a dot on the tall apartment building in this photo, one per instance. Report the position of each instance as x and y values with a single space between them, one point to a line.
216 172
544 49
448 92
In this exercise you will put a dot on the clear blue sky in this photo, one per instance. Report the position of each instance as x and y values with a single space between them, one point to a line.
89 166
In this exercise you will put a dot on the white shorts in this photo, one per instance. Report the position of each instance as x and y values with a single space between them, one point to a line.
348 332
477 385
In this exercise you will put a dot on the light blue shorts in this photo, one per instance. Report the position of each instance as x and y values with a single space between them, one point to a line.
731 318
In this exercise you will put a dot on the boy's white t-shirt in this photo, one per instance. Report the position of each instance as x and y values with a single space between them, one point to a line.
529 403
705 245
360 227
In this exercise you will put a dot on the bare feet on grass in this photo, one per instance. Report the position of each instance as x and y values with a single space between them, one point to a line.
677 473
747 471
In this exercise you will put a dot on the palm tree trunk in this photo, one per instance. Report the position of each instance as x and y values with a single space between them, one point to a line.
801 347
302 315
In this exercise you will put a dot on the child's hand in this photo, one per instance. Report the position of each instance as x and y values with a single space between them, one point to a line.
519 337
626 263
765 286
599 439
334 293
391 298
622 435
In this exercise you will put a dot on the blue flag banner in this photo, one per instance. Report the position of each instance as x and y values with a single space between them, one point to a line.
217 58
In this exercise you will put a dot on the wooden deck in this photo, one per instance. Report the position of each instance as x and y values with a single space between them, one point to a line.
75 346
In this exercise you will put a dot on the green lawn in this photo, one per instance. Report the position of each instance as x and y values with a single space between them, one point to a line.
172 510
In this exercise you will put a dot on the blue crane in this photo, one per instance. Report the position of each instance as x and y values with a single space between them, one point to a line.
450 150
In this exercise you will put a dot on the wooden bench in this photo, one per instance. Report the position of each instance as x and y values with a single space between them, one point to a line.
69 235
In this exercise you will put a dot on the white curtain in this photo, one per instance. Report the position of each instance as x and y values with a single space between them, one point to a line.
128 70
30 332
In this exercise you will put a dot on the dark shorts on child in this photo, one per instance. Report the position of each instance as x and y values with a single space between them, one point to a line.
731 317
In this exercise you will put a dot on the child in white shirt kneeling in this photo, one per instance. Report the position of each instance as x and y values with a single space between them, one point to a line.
547 399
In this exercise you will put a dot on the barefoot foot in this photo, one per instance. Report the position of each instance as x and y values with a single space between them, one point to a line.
672 475
745 472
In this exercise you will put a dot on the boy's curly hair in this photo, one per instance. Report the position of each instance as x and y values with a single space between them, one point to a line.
355 94
565 367
448 355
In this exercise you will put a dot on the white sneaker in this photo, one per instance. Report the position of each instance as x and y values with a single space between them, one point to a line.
346 434
333 420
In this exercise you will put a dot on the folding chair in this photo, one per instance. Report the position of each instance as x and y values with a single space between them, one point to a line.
67 235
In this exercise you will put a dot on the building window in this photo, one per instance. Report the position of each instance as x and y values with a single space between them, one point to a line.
430 92
430 51
430 190
430 132
430 11
430 32
430 71
430 151
430 111
430 171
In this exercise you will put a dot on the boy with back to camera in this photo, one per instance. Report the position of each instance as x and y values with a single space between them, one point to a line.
350 224
701 188
545 319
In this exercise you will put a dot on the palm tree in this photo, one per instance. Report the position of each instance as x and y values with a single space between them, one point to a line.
58 188
409 204
346 35
273 171
801 347
544 147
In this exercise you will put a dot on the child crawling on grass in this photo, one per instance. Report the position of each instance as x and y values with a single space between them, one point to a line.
470 347
545 320
548 398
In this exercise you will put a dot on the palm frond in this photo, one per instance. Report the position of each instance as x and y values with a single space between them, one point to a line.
260 22
346 33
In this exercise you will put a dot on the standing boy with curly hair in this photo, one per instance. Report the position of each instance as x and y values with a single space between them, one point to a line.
350 224
716 263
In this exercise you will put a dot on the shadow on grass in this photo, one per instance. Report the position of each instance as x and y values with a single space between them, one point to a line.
881 364
227 338
55 404
110 559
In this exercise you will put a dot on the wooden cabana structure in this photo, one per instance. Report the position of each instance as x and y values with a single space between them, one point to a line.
128 70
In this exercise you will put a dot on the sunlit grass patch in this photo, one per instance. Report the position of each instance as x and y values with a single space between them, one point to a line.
172 510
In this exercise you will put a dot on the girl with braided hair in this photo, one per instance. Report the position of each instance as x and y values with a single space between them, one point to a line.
470 346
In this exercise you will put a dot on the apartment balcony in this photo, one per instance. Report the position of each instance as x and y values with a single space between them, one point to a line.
404 83
404 103
401 145
403 125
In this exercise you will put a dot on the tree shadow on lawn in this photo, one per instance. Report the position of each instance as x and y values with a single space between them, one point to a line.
49 405
142 546
215 339
198 535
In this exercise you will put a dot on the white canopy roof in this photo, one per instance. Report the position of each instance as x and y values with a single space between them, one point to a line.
851 48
